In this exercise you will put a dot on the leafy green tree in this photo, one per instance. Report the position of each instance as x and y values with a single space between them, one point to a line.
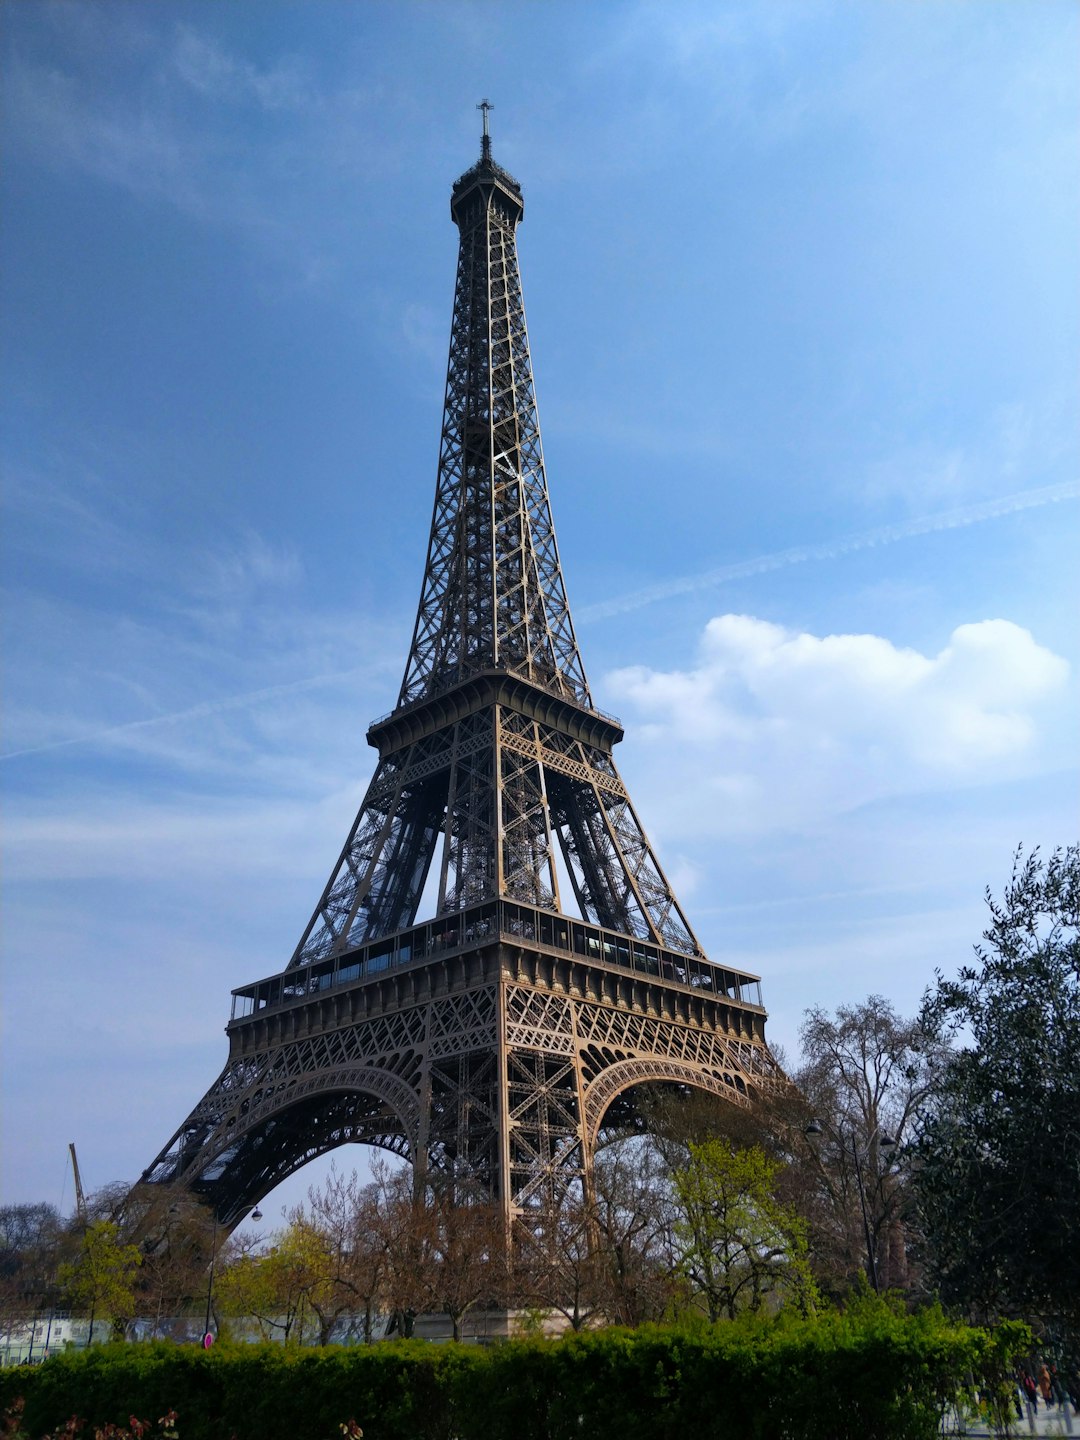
740 1248
275 1286
101 1278
998 1153
244 1289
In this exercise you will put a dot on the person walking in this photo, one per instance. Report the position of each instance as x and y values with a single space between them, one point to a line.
1046 1385
1031 1390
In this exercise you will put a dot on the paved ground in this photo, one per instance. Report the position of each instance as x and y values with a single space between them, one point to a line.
1045 1422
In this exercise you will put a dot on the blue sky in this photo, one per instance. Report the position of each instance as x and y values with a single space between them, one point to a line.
802 298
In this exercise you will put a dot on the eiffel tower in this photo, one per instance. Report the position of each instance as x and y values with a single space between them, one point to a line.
493 1043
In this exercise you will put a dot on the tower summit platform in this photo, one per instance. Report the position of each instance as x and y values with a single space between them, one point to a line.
491 1041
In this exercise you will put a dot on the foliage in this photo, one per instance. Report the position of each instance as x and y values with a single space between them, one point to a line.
739 1247
75 1428
868 1374
101 1278
998 1153
263 1288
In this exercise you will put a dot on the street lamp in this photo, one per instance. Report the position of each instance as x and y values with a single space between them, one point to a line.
814 1131
207 1341
256 1214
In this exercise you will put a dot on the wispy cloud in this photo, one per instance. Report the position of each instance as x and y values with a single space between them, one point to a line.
171 116
881 535
201 711
209 68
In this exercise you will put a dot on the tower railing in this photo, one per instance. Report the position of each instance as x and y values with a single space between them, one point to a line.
495 920
437 686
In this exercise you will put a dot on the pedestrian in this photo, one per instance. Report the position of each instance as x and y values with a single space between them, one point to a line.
1046 1385
1031 1390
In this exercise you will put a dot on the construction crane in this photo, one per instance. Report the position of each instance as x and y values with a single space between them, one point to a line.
80 1198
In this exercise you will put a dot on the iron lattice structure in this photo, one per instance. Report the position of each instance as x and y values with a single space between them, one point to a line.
489 1044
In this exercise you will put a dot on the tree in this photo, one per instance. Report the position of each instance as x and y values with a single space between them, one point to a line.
271 1286
26 1231
864 1075
175 1232
740 1247
557 1265
632 1209
462 1249
346 1258
998 1152
29 1235
427 1249
101 1278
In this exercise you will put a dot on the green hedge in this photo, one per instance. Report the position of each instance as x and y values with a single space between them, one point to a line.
870 1376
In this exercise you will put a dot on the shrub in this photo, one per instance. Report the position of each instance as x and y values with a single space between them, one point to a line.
870 1374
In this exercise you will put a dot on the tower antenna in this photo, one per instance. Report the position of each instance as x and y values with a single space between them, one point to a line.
488 1043
485 139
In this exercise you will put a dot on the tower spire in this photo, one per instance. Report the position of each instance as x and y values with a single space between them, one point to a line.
495 758
492 1038
485 139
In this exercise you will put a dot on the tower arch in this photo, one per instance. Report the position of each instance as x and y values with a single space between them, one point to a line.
490 1038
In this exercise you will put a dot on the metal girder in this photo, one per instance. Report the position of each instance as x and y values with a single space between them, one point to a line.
493 1070
493 593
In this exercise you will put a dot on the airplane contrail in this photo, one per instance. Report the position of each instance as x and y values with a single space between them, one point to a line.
193 712
830 549
634 600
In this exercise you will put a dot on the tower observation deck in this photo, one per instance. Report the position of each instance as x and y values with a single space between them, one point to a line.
491 1041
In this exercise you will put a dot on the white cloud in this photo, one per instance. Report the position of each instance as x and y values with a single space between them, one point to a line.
244 567
774 729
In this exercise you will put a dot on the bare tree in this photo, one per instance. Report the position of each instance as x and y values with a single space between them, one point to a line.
463 1253
557 1263
175 1234
865 1072
632 1210
29 1253
347 1260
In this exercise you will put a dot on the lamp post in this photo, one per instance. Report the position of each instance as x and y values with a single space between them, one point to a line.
813 1132
208 1339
